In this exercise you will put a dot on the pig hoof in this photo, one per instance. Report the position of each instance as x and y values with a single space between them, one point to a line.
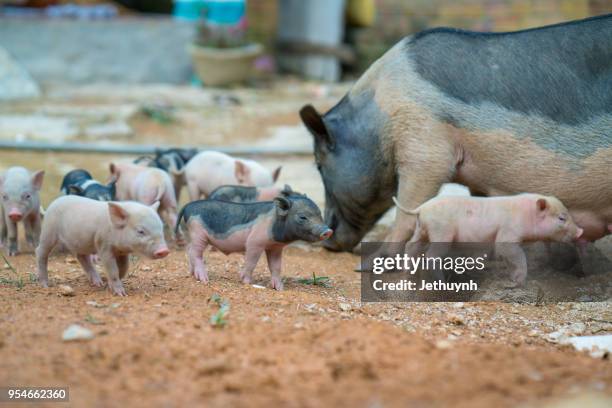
201 276
246 279
513 285
13 252
44 284
118 289
277 284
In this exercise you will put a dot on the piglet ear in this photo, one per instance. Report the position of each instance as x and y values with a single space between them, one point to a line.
282 205
118 215
287 191
37 179
155 206
542 204
276 173
113 169
242 172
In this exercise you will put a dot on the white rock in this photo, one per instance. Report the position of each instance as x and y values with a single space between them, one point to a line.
74 332
66 290
345 307
597 346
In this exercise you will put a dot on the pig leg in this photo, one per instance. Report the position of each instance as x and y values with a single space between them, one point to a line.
418 182
516 256
250 262
275 258
90 270
46 245
193 190
3 230
168 215
112 270
195 250
11 228
32 229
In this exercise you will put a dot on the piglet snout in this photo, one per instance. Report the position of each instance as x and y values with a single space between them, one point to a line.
326 234
15 215
161 253
579 233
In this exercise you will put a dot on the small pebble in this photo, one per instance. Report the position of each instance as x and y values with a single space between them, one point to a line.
74 332
66 290
345 307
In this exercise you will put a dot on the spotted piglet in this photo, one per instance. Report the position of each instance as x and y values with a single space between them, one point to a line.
252 228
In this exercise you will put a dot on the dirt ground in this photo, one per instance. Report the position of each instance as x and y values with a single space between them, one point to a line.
306 346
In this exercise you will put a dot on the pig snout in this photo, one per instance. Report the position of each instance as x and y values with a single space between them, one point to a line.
15 215
161 252
326 233
579 232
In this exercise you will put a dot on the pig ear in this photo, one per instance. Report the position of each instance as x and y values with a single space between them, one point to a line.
276 173
287 191
74 189
241 171
282 205
118 215
155 206
37 179
314 123
542 204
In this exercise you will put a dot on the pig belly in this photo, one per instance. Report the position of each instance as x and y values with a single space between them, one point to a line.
235 242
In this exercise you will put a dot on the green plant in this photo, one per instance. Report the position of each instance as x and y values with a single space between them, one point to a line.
316 281
17 280
219 318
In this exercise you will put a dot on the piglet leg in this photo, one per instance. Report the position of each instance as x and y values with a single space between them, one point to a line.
275 258
32 229
3 228
42 258
516 256
12 236
195 251
250 262
90 270
112 270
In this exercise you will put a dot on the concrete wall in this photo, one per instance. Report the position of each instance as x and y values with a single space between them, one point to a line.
125 50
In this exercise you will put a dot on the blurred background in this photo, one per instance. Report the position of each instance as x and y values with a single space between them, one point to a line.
119 78
165 41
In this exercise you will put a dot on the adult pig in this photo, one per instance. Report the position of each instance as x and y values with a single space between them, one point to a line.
147 185
502 113
209 170
252 228
244 194
80 182
109 229
19 191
